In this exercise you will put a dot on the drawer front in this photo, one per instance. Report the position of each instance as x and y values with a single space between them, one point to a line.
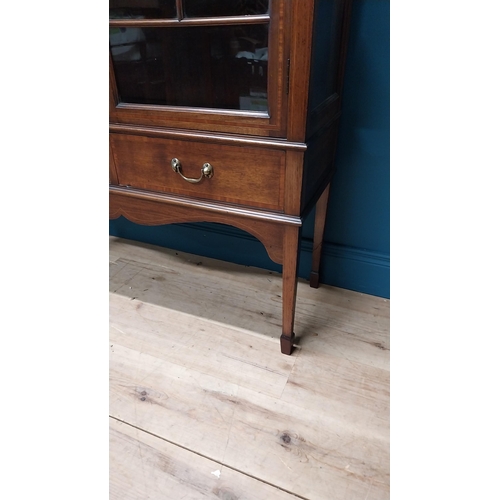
243 175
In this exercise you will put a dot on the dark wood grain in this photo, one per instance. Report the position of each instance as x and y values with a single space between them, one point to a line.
210 137
243 175
293 181
214 120
156 210
324 79
113 175
319 165
211 206
300 62
323 115
290 265
277 72
319 231
179 4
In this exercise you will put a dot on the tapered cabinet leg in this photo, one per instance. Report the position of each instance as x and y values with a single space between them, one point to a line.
319 231
290 267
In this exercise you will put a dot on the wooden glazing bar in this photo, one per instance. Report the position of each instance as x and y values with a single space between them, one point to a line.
180 9
188 109
194 21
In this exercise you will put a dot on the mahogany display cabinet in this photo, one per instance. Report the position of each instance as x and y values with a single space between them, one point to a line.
227 111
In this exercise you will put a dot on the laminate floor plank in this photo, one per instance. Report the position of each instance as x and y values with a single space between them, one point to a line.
171 401
193 362
145 467
212 295
231 354
315 452
354 392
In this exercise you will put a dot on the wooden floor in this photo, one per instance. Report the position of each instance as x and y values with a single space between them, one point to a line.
204 405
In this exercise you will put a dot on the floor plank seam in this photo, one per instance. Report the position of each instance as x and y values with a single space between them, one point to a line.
222 464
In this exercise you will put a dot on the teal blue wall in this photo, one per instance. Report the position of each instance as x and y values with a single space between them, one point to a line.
356 250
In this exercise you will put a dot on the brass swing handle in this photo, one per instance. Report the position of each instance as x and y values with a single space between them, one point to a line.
206 171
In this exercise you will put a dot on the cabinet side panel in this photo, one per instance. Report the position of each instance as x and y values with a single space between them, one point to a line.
326 63
319 165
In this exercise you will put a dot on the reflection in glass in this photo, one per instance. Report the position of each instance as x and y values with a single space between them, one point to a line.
209 8
142 9
200 66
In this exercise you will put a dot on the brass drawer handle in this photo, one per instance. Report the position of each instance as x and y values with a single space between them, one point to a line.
206 171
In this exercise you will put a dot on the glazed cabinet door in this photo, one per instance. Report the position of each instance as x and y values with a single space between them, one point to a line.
214 65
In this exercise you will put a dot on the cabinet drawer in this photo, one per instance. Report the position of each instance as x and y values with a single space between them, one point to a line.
244 175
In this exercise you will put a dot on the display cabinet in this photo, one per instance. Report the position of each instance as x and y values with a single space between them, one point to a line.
227 111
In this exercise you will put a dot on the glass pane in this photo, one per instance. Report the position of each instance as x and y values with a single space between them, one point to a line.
202 66
209 8
140 9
